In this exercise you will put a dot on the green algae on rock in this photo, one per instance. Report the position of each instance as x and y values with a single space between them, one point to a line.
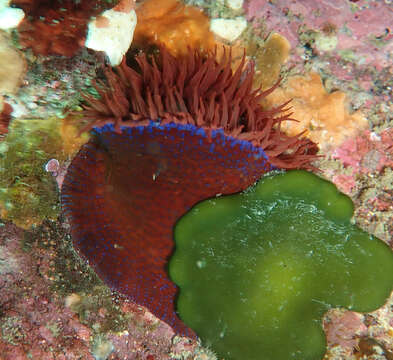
27 193
258 270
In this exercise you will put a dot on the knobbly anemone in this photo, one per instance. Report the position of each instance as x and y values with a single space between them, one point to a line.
167 133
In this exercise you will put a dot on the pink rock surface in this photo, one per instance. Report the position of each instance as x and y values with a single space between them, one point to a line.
286 17
345 183
357 24
368 152
28 308
36 323
343 328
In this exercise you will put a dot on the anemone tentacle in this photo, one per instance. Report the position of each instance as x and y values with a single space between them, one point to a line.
202 91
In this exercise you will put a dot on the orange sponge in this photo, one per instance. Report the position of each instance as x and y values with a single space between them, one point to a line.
171 23
324 115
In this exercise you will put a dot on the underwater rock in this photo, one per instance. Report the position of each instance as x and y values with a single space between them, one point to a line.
53 306
228 29
362 28
9 17
112 31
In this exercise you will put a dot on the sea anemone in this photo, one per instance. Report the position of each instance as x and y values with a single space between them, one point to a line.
167 133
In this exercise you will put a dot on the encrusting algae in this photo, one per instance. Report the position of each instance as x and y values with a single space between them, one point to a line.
28 194
269 58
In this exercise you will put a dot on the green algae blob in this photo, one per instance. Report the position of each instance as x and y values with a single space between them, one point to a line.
258 270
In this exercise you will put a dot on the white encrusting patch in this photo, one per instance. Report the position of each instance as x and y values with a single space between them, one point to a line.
113 31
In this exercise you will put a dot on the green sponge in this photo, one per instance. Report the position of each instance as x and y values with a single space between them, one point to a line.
258 270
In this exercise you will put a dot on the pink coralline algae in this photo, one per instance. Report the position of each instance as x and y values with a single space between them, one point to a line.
306 12
360 26
368 152
365 172
44 316
29 316
343 328
344 182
